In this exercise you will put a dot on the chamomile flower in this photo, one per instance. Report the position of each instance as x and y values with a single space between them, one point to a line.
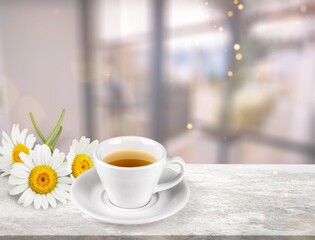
80 156
13 146
42 178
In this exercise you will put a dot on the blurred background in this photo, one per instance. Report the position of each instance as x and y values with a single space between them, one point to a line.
216 81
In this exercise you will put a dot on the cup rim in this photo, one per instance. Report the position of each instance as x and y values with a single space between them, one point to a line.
96 158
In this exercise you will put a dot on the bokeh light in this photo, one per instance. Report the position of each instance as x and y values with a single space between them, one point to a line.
189 126
303 9
237 47
240 6
238 56
230 13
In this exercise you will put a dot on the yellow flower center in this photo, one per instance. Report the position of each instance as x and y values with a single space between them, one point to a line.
17 150
42 179
80 164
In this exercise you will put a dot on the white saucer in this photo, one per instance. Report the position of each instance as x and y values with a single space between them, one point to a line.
90 197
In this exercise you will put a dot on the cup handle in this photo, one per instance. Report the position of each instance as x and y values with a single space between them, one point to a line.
177 179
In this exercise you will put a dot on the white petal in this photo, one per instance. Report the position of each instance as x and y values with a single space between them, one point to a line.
41 159
58 197
94 145
51 200
5 167
13 133
19 173
18 189
5 162
18 136
75 144
70 159
77 150
29 199
54 156
5 151
5 158
65 180
37 201
26 160
23 135
30 140
17 181
37 155
46 154
65 187
62 167
59 161
92 148
62 173
69 169
69 156
5 173
79 146
6 140
85 140
85 145
72 156
71 150
44 202
88 151
24 195
62 193
20 166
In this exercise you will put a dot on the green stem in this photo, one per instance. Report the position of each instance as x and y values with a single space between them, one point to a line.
56 129
54 141
36 128
50 147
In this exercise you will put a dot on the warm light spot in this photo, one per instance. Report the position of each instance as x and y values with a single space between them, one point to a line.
303 9
240 6
206 3
235 2
275 172
189 126
237 46
221 29
230 13
238 56
230 73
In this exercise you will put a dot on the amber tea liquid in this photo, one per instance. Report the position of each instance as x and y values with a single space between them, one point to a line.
129 158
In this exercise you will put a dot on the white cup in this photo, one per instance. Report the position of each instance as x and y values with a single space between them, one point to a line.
133 187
